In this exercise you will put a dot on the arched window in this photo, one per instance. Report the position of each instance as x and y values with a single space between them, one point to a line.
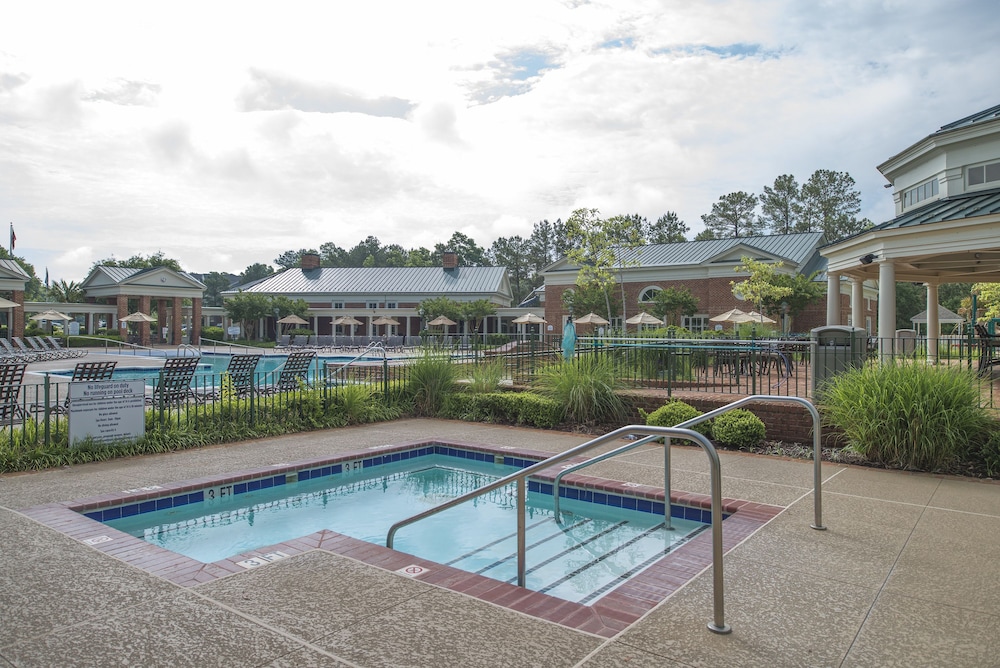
649 294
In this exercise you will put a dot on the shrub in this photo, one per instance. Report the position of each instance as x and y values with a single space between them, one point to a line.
989 453
213 333
523 408
673 413
585 387
739 428
497 339
431 379
906 415
485 377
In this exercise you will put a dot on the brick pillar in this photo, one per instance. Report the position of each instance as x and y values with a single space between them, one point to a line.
195 320
122 312
178 319
17 319
161 319
144 306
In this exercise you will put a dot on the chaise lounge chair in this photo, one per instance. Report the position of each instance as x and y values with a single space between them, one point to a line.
174 384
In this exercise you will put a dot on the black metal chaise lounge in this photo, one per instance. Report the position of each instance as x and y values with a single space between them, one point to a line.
82 372
294 372
239 376
174 384
11 375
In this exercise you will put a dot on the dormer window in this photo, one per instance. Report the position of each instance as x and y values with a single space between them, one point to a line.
920 193
981 174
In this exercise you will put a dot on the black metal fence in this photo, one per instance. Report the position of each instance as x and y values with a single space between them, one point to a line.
37 415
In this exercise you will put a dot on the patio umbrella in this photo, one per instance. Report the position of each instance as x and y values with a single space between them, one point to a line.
569 339
644 319
591 319
753 316
441 321
50 315
6 303
528 319
384 320
293 320
138 316
729 316
347 320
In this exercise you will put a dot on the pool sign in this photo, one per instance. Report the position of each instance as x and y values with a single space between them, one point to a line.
107 411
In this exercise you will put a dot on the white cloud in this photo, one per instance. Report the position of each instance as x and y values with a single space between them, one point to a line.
226 133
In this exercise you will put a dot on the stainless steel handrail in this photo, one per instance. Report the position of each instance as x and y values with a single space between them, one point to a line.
687 424
186 347
374 346
718 624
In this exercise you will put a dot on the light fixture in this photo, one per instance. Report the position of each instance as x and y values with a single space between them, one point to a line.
868 259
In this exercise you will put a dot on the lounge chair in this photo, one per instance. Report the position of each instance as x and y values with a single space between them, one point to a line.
11 375
38 345
294 372
284 341
12 354
82 372
54 344
174 384
240 373
988 346
40 355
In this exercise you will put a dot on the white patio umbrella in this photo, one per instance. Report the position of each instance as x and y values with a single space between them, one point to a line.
753 316
729 316
347 320
591 319
441 321
384 320
528 319
138 316
49 315
644 318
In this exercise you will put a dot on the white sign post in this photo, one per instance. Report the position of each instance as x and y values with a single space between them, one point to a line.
107 410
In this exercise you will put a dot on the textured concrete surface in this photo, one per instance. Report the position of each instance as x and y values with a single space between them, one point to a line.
906 574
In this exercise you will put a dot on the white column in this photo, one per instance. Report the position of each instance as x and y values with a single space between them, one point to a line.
833 298
933 324
858 302
886 307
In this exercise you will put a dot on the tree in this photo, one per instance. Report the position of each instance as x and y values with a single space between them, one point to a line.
598 259
671 303
419 257
470 254
438 306
780 206
761 286
34 289
66 292
591 298
476 311
830 204
255 272
910 300
215 283
332 255
513 253
804 291
248 308
370 247
667 229
733 216
705 235
287 306
139 261
291 258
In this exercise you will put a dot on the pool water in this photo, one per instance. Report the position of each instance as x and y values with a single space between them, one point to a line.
592 550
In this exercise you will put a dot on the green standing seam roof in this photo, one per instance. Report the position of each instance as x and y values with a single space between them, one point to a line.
380 280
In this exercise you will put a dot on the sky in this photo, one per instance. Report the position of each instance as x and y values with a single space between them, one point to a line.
225 133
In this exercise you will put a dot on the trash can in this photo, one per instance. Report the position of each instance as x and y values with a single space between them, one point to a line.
838 348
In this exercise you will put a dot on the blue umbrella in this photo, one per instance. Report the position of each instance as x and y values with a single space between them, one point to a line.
569 339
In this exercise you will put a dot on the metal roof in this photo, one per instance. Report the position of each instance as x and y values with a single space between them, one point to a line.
382 280
794 249
978 117
121 274
14 267
966 205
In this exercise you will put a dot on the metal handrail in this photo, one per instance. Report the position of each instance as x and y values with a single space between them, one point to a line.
203 343
120 344
687 424
186 347
374 346
718 624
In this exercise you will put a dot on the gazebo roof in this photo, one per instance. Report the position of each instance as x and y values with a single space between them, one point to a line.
944 315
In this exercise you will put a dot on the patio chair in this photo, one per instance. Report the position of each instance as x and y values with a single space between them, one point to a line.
41 347
11 376
14 355
294 372
55 345
988 345
174 384
240 372
24 349
82 372
284 341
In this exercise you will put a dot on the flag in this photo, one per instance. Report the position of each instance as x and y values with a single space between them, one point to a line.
13 237
46 277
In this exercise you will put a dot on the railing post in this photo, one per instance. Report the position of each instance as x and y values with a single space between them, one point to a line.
47 438
522 495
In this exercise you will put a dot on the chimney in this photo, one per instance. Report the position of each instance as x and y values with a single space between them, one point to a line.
449 260
309 261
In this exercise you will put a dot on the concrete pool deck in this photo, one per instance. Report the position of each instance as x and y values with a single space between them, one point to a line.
906 574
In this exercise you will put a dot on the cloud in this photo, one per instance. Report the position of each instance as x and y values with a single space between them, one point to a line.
268 91
515 72
127 92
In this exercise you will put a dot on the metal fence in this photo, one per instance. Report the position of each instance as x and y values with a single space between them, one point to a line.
36 415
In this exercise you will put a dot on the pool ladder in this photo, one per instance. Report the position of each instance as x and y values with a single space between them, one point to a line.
646 434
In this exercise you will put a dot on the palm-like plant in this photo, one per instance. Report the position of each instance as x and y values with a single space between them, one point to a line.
66 292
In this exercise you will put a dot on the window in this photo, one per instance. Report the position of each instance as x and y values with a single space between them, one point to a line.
337 305
981 174
390 304
648 295
372 304
920 193
695 324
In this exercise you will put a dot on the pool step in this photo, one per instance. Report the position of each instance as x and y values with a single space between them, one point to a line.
580 559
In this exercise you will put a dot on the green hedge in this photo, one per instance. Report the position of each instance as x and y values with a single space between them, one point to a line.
521 408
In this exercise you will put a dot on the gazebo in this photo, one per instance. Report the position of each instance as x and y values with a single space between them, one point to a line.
944 317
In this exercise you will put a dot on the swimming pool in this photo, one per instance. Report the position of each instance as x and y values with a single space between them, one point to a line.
606 616
591 550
